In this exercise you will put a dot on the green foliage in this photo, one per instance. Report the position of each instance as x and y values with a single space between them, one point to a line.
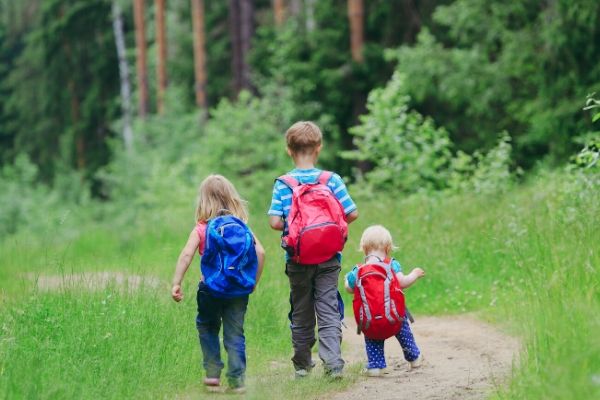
245 139
486 173
588 157
58 110
30 206
162 172
316 66
520 66
409 153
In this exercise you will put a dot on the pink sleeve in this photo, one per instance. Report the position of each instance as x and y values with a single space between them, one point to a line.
201 231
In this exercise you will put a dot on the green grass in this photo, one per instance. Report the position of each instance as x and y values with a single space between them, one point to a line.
527 260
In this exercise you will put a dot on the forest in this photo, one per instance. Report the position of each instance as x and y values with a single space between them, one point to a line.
471 127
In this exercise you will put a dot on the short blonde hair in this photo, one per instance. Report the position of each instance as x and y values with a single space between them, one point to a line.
376 237
303 137
217 196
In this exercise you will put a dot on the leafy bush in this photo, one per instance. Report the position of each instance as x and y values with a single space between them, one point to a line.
29 204
521 66
244 139
409 153
485 173
159 175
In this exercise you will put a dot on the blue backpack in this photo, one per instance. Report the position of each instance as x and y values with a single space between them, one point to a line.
229 262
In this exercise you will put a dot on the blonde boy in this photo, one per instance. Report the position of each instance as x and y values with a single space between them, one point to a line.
313 288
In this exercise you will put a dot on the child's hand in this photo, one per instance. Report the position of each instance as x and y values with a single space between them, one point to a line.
418 272
177 293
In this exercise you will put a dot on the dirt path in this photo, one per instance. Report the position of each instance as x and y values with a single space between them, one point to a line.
464 359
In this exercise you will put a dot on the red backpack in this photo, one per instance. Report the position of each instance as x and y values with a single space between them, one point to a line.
378 301
316 224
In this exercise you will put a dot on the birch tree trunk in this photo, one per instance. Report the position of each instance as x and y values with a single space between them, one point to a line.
140 44
124 75
199 53
161 70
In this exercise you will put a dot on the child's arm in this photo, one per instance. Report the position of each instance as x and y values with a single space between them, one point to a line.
347 286
350 280
276 222
351 217
260 254
408 280
183 263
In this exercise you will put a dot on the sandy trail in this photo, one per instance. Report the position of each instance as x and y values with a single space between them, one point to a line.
464 359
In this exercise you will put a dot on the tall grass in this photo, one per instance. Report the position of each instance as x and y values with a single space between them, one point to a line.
527 259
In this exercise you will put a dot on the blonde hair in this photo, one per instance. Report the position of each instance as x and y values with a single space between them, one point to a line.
376 237
217 196
303 137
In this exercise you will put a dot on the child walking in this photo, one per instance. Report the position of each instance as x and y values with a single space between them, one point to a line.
231 265
312 207
376 243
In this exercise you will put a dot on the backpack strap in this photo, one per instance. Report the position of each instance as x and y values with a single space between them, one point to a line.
288 181
324 177
201 232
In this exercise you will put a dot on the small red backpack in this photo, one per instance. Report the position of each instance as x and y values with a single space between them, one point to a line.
316 224
378 302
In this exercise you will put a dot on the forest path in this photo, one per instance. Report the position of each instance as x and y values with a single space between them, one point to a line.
463 359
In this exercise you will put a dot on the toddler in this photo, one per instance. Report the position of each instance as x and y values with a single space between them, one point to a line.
376 243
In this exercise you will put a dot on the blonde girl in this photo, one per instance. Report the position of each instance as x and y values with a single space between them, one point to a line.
217 196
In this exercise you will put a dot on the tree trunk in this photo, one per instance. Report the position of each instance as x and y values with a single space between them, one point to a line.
161 70
414 21
241 19
124 75
279 11
78 133
356 17
199 53
140 44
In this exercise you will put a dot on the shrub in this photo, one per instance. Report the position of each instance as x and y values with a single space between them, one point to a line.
407 152
31 205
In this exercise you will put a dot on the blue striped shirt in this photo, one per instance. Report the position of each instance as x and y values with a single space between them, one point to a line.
282 195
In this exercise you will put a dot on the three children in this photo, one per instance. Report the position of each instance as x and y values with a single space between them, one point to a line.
313 278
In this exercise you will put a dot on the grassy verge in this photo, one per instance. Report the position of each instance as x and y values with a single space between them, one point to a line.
528 259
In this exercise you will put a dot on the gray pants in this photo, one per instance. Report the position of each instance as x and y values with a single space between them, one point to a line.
313 290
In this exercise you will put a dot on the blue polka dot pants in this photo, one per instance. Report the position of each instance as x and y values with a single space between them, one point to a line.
375 353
